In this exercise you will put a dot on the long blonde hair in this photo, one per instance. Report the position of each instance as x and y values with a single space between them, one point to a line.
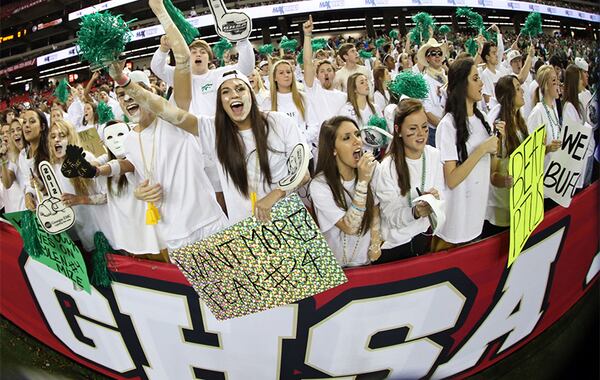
542 78
296 97
259 81
81 185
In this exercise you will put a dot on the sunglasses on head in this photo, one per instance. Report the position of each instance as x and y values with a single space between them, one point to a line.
435 53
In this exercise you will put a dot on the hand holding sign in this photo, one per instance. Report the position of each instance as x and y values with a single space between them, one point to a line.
75 164
53 215
234 26
431 206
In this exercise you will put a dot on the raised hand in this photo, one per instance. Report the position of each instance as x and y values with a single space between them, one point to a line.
75 164
307 27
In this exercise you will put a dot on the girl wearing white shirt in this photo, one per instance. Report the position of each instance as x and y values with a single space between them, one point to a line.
381 76
410 167
573 110
342 199
545 111
463 137
14 200
507 118
90 116
258 86
359 107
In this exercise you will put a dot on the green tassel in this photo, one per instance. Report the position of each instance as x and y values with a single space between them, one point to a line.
380 42
410 84
365 54
101 276
221 47
31 242
318 44
187 30
62 91
471 46
266 49
393 34
444 29
102 38
533 25
105 113
288 45
380 123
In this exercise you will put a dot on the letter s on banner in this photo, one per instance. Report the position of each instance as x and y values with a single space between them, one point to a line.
526 287
353 326
107 347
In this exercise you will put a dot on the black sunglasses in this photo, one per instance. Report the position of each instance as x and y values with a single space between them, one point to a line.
436 53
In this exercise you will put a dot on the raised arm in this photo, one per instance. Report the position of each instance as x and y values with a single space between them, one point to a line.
527 65
309 67
89 85
158 64
182 88
159 105
246 59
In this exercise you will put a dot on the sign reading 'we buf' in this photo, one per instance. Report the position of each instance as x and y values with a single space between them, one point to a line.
526 166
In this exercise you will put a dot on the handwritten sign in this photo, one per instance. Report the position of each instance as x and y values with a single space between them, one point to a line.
90 141
58 252
526 166
254 266
567 163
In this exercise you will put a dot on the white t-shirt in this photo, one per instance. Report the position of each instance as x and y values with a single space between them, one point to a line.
349 250
435 102
283 136
529 93
489 82
398 226
328 102
286 105
340 81
23 173
365 113
466 203
204 92
590 107
539 116
381 100
14 196
188 200
127 220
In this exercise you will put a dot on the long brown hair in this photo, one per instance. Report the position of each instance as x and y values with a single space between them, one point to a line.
41 153
296 97
571 93
405 108
94 112
230 147
378 77
327 165
80 184
122 181
505 94
351 91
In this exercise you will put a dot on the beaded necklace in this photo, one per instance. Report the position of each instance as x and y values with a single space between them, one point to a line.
554 124
423 175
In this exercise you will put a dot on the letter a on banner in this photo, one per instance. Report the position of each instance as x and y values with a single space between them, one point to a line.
566 165
526 166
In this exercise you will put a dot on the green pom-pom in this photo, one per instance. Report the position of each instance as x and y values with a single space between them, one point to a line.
380 42
300 57
101 276
365 54
266 49
393 34
221 47
410 84
105 113
444 29
415 36
288 45
187 30
424 21
533 25
31 242
318 44
102 38
62 91
471 46
474 19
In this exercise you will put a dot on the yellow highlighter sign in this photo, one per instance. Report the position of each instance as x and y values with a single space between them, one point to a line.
526 166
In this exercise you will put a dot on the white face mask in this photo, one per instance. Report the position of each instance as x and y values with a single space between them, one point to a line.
114 136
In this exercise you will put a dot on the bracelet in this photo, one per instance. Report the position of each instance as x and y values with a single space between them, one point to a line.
308 35
358 208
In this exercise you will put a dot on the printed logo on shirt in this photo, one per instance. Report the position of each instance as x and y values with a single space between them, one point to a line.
206 88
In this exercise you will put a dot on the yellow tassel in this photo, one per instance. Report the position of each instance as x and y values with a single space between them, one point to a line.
253 201
152 215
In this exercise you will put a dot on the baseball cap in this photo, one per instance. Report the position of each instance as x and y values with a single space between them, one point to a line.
512 55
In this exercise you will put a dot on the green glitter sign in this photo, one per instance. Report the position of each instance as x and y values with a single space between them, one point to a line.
253 266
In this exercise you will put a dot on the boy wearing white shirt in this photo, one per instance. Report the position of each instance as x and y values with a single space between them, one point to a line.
349 55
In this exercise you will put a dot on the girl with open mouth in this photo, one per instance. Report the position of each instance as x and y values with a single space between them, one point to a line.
410 169
9 161
344 204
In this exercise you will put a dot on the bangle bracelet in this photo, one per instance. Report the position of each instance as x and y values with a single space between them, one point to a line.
357 208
